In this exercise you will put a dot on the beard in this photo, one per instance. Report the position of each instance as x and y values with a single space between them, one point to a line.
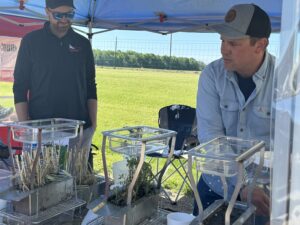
63 27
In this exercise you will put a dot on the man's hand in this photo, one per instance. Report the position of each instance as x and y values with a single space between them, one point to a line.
259 199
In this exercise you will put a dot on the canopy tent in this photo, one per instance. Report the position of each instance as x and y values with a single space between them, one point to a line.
15 26
169 16
161 16
18 17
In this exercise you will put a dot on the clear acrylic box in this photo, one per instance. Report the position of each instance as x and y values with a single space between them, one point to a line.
51 129
129 140
226 157
36 204
222 155
5 180
134 143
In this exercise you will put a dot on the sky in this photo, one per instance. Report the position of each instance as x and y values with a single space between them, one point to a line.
201 46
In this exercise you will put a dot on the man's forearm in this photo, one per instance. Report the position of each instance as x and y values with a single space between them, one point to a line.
22 111
92 108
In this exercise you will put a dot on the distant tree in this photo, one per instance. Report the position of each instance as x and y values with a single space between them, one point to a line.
145 60
201 65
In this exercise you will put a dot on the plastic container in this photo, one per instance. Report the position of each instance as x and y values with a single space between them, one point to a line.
222 155
179 218
264 177
5 180
129 140
51 129
268 157
217 167
120 172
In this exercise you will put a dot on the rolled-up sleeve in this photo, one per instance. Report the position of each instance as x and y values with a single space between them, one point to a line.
22 72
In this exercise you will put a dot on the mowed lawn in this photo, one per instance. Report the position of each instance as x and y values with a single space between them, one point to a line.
129 97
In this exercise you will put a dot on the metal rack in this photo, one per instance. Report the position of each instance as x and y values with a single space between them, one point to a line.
160 218
40 132
133 141
226 157
43 215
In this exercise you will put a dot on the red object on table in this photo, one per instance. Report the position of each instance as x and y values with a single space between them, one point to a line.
14 144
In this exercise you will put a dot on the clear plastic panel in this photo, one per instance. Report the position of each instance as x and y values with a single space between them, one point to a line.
129 140
134 147
222 155
5 180
285 186
51 129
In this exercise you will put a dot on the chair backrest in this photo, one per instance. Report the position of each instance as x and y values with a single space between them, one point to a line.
180 118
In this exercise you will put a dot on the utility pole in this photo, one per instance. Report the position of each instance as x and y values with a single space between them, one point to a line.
116 47
170 53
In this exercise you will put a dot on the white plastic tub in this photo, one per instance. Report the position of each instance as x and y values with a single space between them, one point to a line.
179 218
120 172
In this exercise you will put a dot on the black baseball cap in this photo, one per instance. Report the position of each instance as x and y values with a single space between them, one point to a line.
52 4
244 20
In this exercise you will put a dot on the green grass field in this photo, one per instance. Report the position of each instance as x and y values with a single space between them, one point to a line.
128 97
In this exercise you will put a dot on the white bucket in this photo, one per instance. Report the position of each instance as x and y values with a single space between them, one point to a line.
120 172
89 218
179 218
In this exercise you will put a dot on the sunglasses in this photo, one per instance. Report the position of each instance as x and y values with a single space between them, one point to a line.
59 15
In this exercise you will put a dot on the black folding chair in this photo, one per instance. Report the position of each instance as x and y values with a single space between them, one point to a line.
182 119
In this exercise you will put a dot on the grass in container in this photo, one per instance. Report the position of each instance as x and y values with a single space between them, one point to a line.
50 185
76 163
143 187
144 199
47 169
88 184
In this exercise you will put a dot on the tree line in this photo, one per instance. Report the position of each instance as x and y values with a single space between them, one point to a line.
145 60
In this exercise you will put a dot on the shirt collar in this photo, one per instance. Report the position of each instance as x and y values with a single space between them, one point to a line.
47 29
260 73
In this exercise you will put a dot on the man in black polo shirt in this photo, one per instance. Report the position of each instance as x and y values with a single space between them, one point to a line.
55 72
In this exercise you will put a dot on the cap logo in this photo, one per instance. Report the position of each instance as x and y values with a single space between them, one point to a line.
230 16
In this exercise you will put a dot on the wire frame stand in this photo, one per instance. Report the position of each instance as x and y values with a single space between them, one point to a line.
226 157
41 132
132 141
43 216
159 218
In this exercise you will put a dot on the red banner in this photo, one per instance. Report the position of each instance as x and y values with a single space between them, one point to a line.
9 47
16 26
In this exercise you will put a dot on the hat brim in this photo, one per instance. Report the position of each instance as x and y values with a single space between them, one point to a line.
228 32
56 6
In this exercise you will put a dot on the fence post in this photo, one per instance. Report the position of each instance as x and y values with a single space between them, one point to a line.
170 55
116 47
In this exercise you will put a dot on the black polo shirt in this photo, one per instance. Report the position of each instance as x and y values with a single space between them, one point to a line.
56 76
